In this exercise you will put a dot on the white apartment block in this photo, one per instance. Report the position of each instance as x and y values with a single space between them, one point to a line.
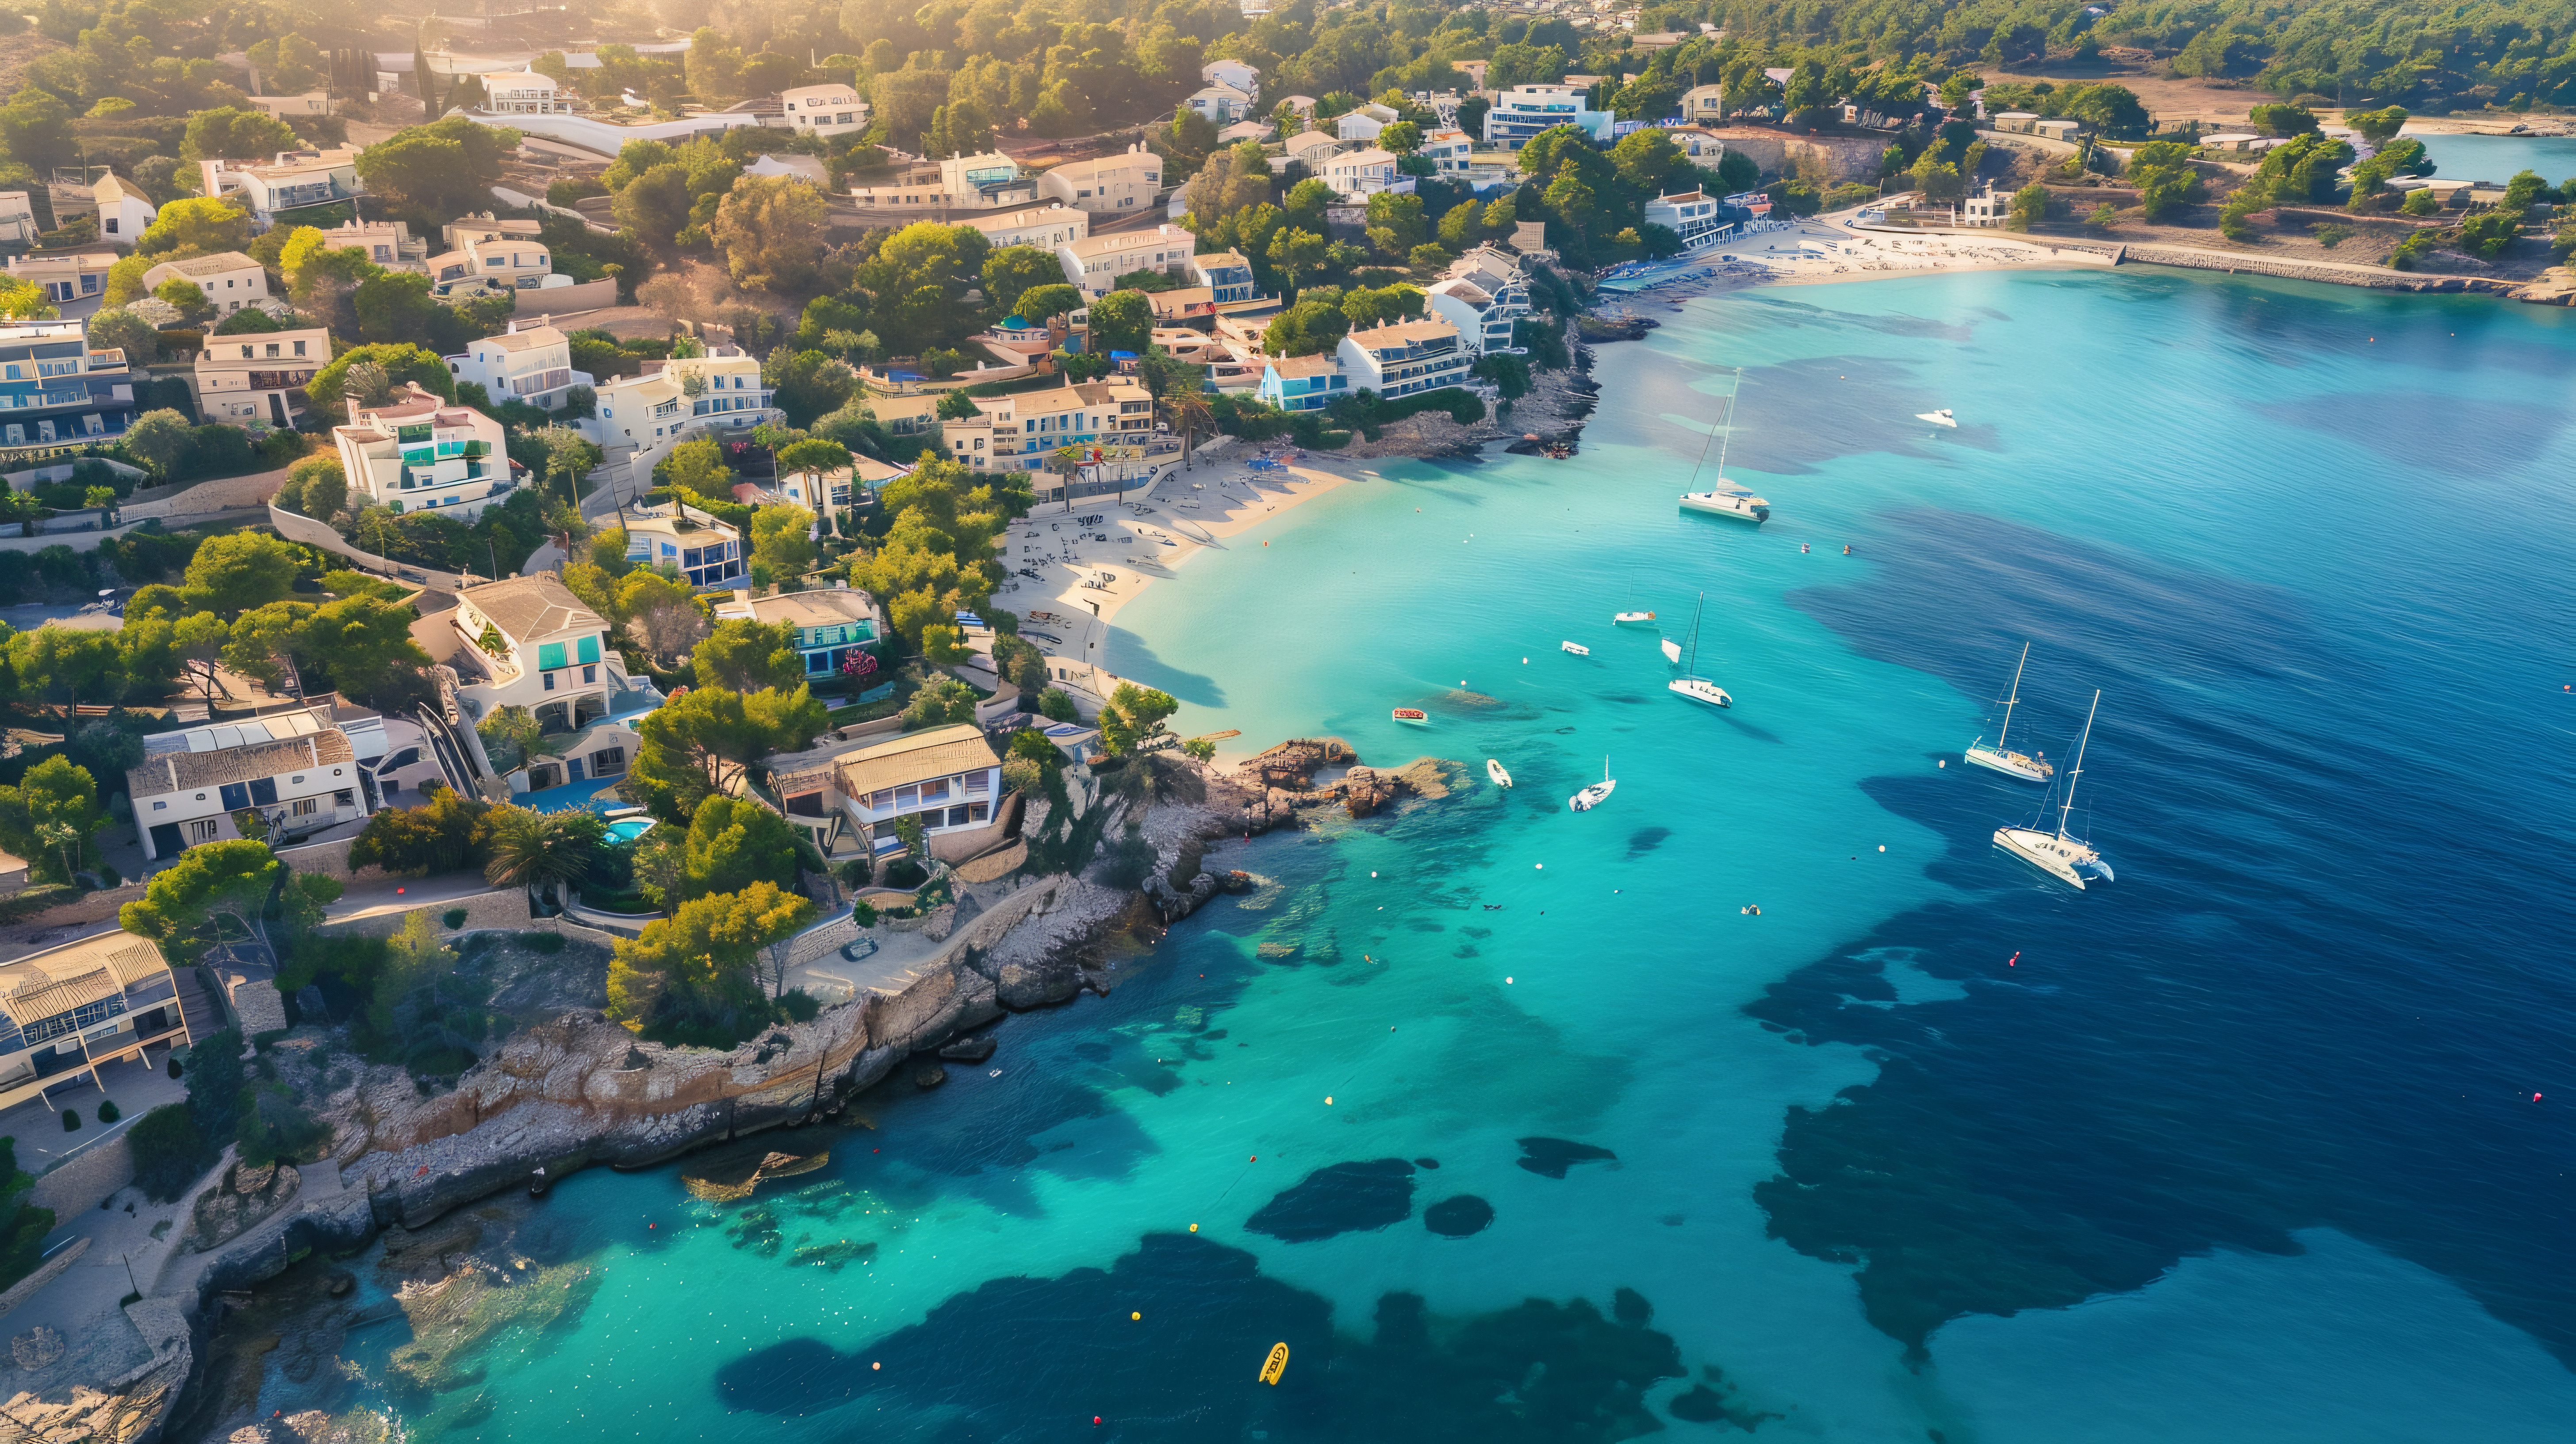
295 770
1045 227
230 279
1021 432
420 453
524 363
642 417
1129 181
529 642
260 376
823 110
1094 264
522 92
1399 358
989 181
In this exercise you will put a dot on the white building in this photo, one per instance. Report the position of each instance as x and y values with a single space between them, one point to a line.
1525 110
1399 358
488 255
830 623
1359 174
294 107
230 279
1240 74
1313 147
17 219
65 276
259 376
1986 207
294 769
984 182
420 453
680 539
823 110
1220 103
522 92
56 391
531 364
1045 227
1704 104
1364 123
1131 180
1226 274
295 179
1691 215
529 642
642 417
947 779
124 212
1094 263
1023 431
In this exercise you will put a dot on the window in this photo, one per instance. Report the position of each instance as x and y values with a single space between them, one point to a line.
590 674
344 798
608 762
550 681
202 830
305 807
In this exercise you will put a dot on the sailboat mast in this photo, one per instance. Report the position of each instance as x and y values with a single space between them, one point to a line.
2069 805
2015 697
1691 667
1731 394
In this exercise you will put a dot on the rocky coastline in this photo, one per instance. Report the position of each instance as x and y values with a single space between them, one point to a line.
577 1091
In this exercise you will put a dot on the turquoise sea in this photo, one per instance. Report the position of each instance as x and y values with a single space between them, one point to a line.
2267 1140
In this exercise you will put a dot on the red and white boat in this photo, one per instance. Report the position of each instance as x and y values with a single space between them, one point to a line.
1414 715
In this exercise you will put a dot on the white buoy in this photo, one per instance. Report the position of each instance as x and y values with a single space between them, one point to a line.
1882 847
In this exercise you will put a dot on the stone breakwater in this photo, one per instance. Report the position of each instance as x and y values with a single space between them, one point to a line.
2288 270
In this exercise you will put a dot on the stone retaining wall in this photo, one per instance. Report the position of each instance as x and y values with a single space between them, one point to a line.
80 1181
222 494
26 1288
1845 157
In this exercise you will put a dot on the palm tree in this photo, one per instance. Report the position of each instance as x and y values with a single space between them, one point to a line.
1188 410
541 851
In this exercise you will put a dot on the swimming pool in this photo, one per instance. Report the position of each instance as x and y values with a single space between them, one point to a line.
627 829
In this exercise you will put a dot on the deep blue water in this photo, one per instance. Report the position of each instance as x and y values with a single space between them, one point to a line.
1518 1125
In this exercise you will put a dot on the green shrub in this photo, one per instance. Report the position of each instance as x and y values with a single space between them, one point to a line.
71 1119
542 942
453 917
108 1112
168 1150
798 1006
863 914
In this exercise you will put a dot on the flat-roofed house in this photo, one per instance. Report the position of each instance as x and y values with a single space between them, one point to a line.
1399 358
523 363
67 276
293 180
421 452
296 770
521 92
1045 227
1130 180
1093 264
1359 174
259 376
68 1011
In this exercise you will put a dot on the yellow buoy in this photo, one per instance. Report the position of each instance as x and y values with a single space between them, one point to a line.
1135 1316
1275 1365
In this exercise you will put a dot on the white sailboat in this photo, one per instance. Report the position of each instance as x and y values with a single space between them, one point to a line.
1725 499
1632 619
1494 770
2000 758
2070 860
1595 795
1672 650
1690 684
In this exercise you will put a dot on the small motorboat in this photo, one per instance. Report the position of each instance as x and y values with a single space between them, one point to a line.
1577 648
1941 417
1413 715
1633 619
1595 795
1494 770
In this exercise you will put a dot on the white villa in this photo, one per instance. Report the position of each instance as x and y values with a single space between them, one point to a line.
642 417
419 452
295 769
529 642
531 364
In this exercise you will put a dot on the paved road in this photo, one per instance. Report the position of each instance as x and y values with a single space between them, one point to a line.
379 897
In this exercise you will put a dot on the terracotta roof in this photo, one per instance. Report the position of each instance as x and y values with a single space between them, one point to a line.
526 608
187 771
939 752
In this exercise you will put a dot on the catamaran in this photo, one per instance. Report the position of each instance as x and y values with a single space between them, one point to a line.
1690 684
2070 860
1724 499
2002 759
1595 795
